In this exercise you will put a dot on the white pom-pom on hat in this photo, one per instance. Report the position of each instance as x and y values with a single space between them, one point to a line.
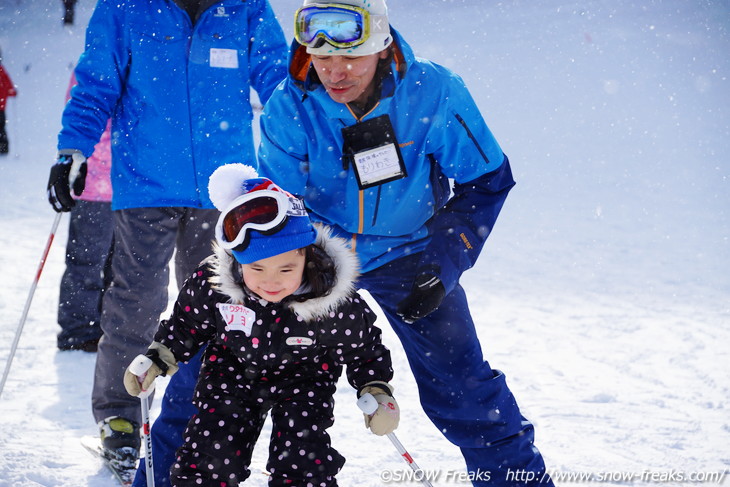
226 183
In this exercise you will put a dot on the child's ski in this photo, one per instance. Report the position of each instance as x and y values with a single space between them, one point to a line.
125 475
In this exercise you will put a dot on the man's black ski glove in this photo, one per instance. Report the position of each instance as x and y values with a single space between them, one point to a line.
427 293
68 172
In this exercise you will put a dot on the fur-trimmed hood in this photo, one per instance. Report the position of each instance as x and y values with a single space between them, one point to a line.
227 279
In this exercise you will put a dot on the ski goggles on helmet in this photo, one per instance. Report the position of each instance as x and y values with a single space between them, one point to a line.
264 211
342 26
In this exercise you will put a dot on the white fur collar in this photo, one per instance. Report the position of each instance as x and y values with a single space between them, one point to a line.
346 272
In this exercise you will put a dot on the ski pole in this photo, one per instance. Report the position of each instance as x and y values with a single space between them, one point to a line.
368 405
139 367
14 346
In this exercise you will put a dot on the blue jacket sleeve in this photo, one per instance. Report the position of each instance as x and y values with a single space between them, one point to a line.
461 227
283 145
467 153
99 74
268 52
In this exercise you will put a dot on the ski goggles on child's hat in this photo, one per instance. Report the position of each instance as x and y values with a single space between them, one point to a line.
340 25
265 211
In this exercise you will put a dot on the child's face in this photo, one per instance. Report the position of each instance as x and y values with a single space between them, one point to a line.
277 277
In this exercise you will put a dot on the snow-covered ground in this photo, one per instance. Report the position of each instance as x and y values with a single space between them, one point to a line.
603 293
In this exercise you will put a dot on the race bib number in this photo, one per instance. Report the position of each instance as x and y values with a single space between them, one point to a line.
223 58
237 317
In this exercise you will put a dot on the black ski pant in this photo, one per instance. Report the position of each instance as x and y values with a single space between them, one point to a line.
219 440
4 146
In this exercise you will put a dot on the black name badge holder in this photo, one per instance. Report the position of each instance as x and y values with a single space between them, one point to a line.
373 151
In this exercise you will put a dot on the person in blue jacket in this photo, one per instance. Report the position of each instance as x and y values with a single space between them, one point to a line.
372 139
175 78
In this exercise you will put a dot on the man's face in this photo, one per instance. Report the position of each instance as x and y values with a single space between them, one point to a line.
348 79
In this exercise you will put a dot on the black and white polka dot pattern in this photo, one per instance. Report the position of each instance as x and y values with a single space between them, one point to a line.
285 364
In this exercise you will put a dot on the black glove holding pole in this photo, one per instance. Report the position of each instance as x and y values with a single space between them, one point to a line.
68 172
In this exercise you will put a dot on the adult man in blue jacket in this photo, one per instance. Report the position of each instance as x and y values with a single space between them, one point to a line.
370 137
175 78
373 139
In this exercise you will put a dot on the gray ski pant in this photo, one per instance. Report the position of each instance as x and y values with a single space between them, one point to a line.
144 242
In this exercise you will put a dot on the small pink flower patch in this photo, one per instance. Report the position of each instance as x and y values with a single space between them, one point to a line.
325 366
187 308
213 358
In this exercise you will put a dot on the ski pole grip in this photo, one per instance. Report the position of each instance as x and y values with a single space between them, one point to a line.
139 367
367 403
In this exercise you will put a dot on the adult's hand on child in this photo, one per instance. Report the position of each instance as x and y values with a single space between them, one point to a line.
162 362
385 418
69 172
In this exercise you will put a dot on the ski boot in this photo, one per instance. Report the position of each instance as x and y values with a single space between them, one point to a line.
120 442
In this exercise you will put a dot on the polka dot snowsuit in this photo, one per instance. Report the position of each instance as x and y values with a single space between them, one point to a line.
286 362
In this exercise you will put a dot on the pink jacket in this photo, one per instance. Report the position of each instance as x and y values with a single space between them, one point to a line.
98 179
7 89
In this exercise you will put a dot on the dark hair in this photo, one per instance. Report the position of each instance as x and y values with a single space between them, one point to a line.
319 273
385 66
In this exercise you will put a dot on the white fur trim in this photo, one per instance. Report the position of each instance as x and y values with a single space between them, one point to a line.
347 268
226 183
223 279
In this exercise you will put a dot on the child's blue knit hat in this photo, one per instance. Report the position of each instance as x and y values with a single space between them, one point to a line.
227 187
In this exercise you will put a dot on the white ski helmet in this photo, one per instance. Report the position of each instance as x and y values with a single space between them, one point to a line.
378 31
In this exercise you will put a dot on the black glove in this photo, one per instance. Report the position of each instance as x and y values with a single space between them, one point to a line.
427 293
68 171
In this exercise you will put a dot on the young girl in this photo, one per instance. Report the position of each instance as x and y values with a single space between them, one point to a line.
277 309
89 250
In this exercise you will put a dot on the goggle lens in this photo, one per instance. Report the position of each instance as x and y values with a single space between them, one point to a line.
340 27
261 211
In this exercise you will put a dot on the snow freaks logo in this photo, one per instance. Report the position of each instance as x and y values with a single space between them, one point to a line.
418 476
519 477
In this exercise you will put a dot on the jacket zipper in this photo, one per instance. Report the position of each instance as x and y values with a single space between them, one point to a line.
471 136
361 194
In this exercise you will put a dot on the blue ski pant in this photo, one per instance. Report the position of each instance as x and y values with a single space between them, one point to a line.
467 400
88 272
